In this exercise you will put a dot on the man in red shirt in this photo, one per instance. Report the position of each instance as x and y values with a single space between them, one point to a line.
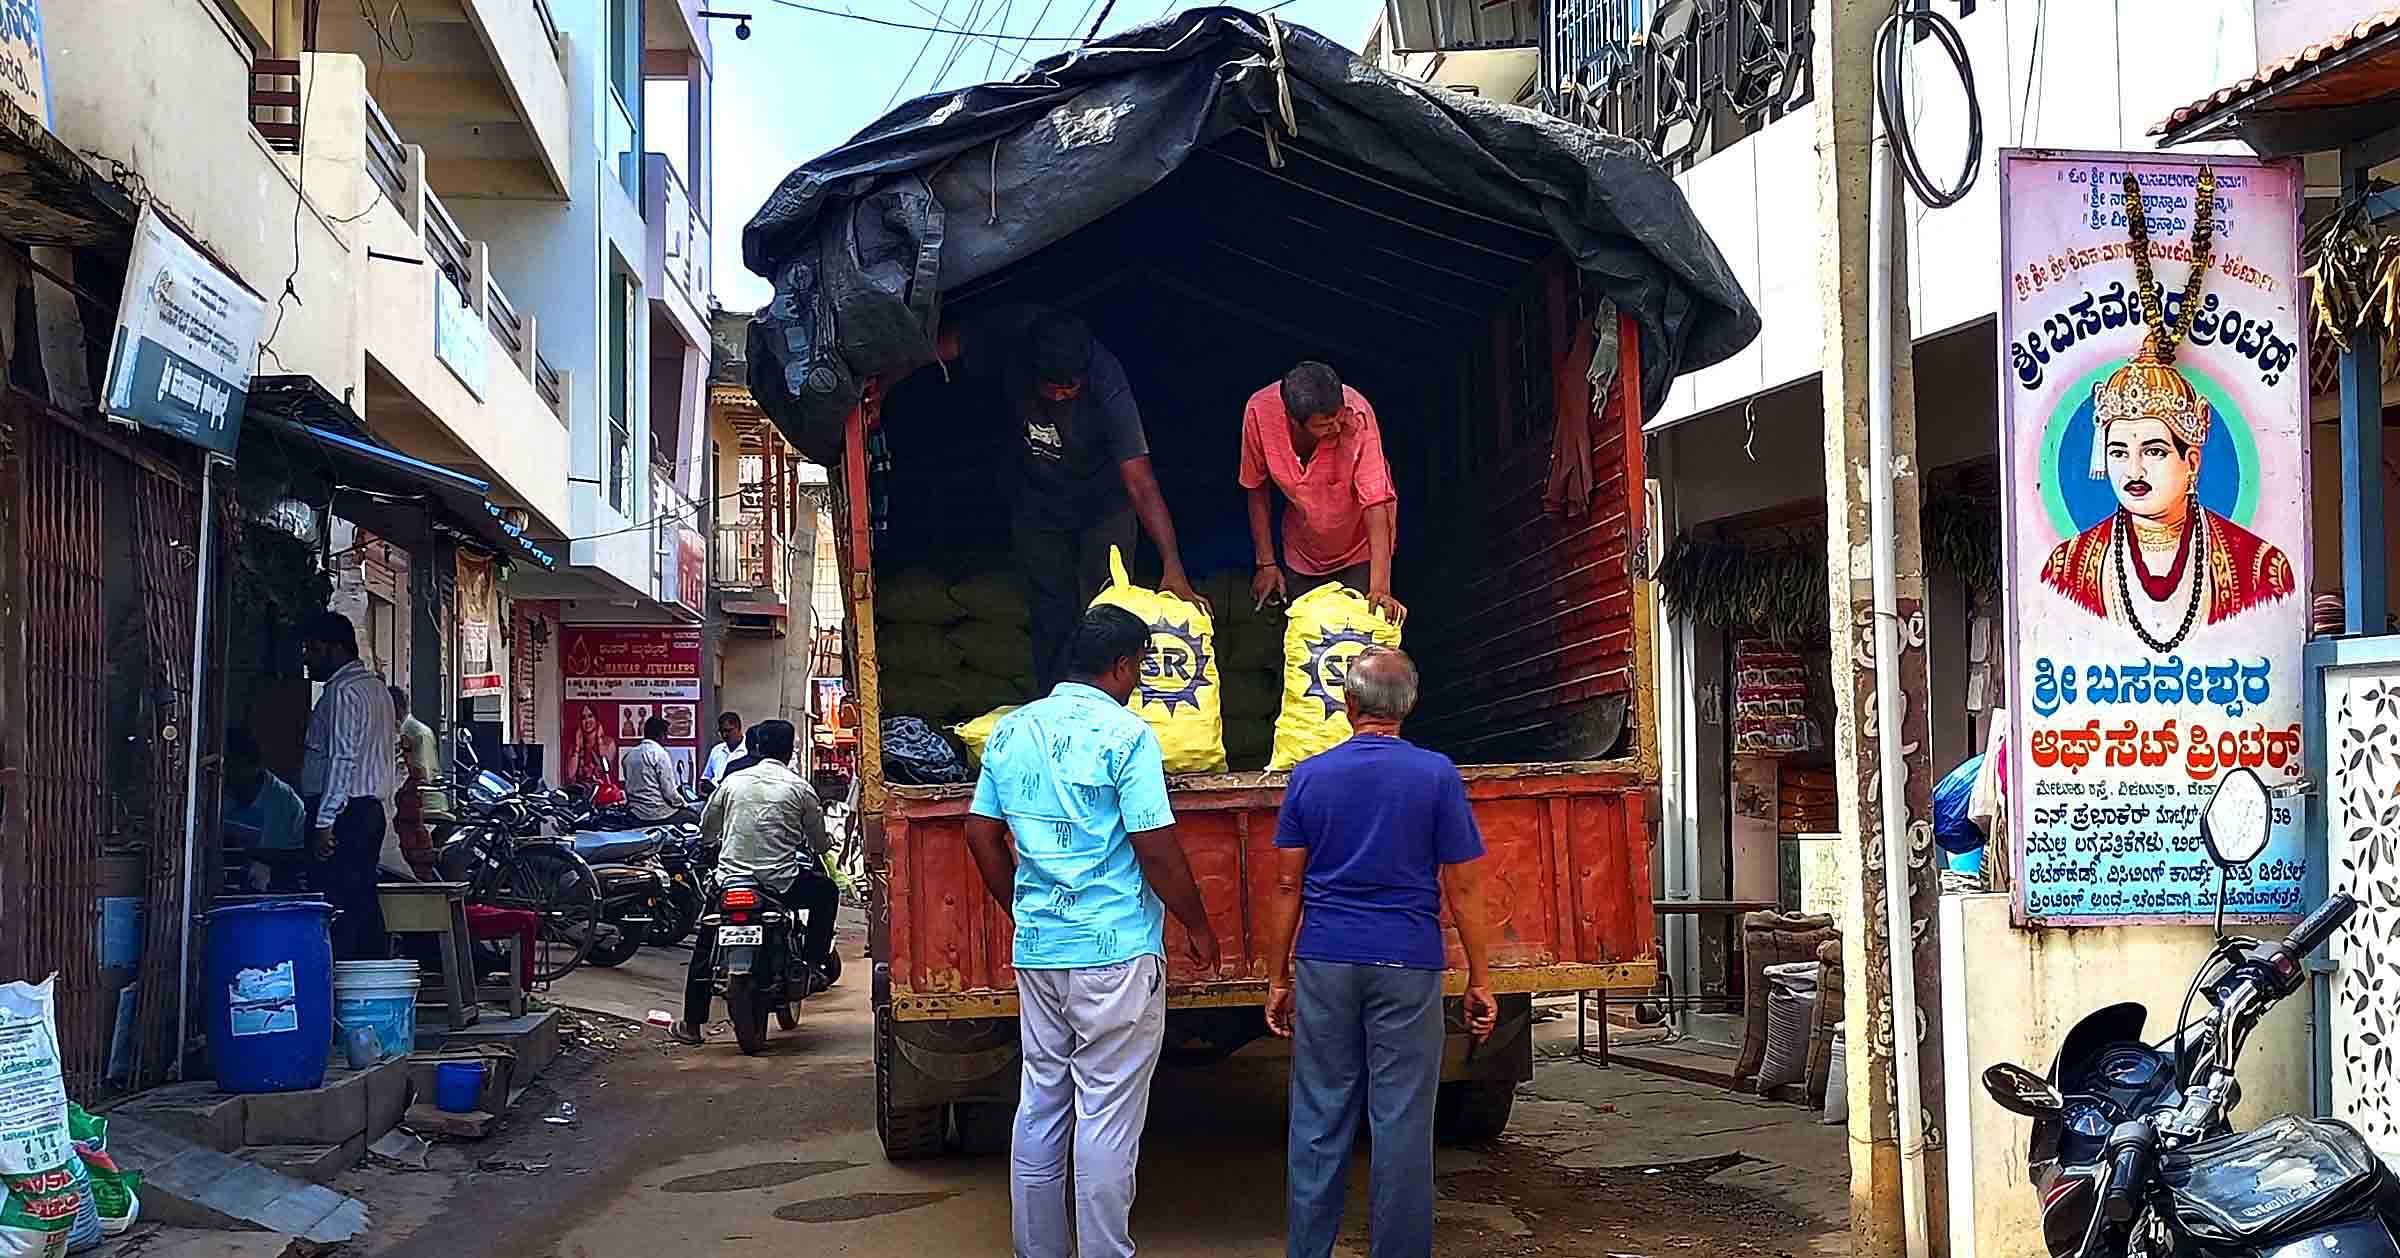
1314 438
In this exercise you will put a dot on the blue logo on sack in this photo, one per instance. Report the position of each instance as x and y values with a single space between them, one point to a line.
1329 662
1176 665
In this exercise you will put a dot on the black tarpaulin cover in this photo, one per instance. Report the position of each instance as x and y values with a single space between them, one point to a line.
863 242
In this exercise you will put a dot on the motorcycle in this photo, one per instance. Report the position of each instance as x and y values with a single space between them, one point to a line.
756 968
687 865
634 898
2132 1152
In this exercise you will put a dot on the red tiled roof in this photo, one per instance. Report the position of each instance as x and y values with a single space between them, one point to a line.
2271 75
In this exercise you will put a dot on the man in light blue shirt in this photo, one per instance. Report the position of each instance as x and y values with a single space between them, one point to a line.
1072 832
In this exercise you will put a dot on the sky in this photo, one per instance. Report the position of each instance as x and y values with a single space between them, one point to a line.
804 82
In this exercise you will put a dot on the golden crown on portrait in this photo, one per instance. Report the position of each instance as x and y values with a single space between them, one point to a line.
2150 387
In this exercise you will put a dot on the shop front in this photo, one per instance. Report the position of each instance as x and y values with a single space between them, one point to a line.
1746 664
2331 105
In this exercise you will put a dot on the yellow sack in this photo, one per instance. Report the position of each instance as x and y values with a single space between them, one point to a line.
977 732
1326 629
1178 694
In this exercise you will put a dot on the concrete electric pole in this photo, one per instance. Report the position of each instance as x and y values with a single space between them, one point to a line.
1892 1015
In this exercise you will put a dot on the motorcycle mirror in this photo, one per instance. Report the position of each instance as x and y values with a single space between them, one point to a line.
2239 819
2020 1091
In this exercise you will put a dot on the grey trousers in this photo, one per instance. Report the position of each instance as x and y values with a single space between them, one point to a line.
1091 1039
1368 1040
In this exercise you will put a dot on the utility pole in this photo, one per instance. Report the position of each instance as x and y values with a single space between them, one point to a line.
1880 684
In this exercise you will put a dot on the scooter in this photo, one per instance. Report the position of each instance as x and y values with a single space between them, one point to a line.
2132 1153
756 967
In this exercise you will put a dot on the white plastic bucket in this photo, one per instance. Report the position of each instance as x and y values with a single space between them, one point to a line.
381 996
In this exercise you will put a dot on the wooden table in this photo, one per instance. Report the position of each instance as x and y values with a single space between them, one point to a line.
1594 1049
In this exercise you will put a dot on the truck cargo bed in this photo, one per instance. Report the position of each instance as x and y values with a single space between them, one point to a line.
1569 856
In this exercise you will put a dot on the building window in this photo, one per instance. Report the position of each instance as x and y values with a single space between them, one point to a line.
625 88
620 393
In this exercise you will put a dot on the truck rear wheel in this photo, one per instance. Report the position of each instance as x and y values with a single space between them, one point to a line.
910 1133
1473 1111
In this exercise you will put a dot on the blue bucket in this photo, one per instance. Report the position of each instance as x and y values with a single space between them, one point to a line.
458 1086
269 982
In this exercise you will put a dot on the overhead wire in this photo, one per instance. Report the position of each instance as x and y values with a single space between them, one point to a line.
913 62
1891 103
822 11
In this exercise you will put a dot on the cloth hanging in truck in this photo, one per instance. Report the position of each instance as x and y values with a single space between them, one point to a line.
863 242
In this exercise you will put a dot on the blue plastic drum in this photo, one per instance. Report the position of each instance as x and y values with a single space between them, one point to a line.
269 983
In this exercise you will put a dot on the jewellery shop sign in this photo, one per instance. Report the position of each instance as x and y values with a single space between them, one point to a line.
2155 491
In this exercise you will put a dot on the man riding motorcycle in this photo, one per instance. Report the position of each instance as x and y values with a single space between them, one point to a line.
769 830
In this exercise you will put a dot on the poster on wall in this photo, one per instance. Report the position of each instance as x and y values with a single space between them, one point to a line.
24 74
478 626
2154 455
613 679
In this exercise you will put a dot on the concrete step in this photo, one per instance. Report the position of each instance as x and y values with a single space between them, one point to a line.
192 1242
187 1184
532 1042
316 1163
351 1104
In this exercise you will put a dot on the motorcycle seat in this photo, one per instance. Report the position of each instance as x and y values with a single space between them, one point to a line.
615 846
2288 1175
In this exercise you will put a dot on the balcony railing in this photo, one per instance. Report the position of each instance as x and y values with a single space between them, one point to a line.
541 9
674 214
754 563
398 171
275 103
387 157
551 384
446 241
1696 79
507 326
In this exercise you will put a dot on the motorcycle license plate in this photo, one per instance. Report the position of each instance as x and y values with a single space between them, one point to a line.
735 936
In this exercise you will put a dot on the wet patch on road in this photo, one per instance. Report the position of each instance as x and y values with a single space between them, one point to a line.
757 1175
1648 1210
851 1207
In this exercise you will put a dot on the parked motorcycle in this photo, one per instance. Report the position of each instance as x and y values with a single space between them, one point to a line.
756 968
687 864
2132 1153
633 888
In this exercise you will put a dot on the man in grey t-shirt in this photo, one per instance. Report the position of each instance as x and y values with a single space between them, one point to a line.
1079 474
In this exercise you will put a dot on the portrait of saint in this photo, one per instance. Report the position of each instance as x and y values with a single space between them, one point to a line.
2161 564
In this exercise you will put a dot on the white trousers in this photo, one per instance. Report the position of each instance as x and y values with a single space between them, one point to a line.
1091 1040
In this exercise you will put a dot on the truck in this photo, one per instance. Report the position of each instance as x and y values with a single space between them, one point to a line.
1221 195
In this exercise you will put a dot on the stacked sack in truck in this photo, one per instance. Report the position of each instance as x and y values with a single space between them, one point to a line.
948 650
1250 666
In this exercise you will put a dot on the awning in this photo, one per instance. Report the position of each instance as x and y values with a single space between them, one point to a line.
319 439
50 196
2331 94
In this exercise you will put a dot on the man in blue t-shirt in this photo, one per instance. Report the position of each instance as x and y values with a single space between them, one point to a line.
1374 837
1071 831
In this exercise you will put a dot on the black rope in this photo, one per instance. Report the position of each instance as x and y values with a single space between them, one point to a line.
1892 104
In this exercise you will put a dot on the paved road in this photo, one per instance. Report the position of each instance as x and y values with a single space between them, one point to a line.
704 1150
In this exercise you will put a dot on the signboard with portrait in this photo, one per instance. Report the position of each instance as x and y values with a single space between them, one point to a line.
186 341
615 678
478 626
2155 463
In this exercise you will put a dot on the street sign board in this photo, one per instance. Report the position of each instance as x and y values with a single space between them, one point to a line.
186 341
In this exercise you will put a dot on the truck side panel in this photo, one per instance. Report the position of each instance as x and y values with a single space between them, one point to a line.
1569 865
